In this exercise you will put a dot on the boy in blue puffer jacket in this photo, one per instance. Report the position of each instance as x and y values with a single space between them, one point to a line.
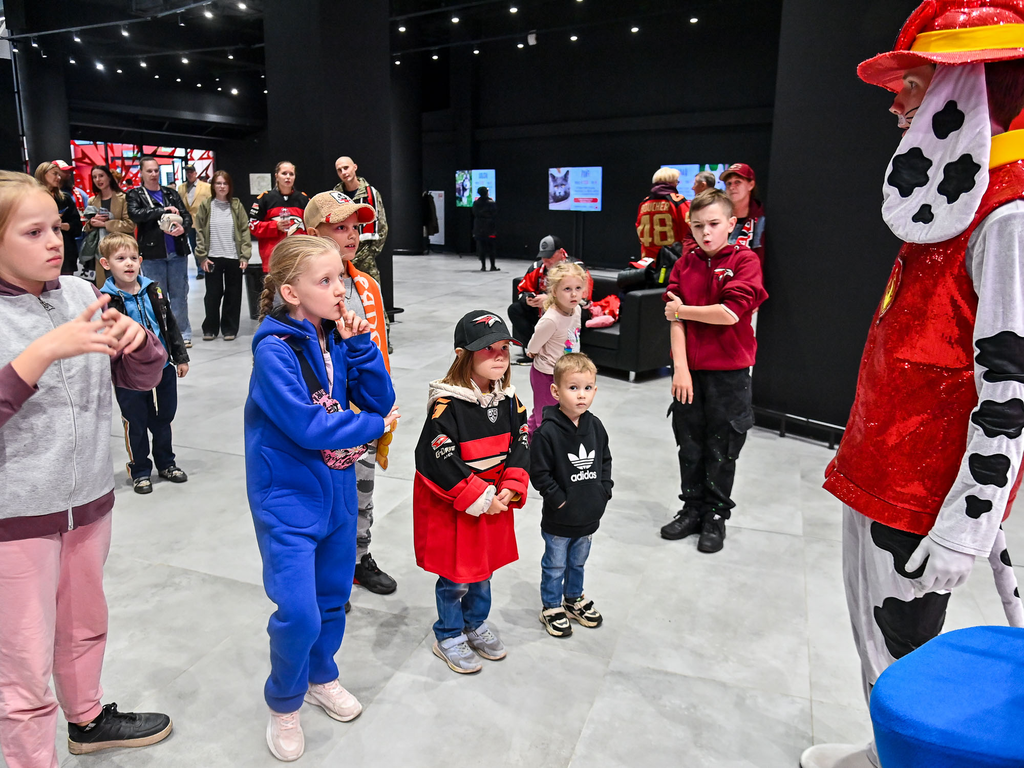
312 357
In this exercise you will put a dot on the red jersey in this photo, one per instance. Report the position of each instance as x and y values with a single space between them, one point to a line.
263 216
661 221
731 278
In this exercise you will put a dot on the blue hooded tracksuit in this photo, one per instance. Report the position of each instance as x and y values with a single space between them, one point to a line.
305 512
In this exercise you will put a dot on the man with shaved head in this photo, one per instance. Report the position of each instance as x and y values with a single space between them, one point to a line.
372 235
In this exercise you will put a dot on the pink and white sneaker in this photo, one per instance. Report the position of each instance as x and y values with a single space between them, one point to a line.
284 736
334 700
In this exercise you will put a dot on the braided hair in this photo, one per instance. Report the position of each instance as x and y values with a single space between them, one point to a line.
287 261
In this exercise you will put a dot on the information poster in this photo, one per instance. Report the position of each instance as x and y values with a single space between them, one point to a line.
259 183
574 189
464 189
438 195
687 173
485 178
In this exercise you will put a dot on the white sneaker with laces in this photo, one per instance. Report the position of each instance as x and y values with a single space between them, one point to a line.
334 700
284 736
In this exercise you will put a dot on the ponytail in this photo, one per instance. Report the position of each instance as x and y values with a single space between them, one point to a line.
287 261
268 296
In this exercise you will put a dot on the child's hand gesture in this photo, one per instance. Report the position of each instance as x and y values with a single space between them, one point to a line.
127 334
391 418
672 306
75 337
351 325
499 503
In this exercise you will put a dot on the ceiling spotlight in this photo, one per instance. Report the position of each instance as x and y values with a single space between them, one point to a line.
75 37
263 77
398 61
513 9
242 6
72 61
476 51
199 85
99 65
217 79
531 38
634 29
181 21
231 56
124 31
184 60
156 77
14 46
573 38
455 19
402 28
234 91
208 13
177 79
434 57
42 53
120 71
143 64
264 90
693 19
219 88
520 45
35 43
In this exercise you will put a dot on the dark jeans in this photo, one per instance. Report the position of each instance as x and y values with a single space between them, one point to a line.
460 606
486 247
710 432
140 413
524 320
254 288
224 283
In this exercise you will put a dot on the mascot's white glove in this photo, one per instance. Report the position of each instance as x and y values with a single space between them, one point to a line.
946 568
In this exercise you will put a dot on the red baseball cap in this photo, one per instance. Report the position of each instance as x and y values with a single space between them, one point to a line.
62 165
740 169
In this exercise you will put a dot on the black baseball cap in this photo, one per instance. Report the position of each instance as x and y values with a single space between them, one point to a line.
190 167
548 247
480 328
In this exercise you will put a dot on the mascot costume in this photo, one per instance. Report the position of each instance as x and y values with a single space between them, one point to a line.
930 462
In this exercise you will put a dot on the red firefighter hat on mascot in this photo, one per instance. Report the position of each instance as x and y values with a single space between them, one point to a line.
950 32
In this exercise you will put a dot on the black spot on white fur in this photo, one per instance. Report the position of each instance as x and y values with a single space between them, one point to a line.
909 171
977 507
989 470
924 215
1002 356
906 626
1004 558
1000 419
899 544
947 120
958 178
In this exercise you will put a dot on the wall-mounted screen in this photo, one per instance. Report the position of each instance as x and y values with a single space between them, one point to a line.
574 189
468 182
688 171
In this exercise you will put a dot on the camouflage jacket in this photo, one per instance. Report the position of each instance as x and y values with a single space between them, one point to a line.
373 235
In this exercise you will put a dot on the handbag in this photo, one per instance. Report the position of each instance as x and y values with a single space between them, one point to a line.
335 458
90 248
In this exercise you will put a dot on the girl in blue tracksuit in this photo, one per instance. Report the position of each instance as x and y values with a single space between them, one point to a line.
301 441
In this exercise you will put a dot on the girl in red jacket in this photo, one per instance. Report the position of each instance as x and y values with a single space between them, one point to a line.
472 470
712 293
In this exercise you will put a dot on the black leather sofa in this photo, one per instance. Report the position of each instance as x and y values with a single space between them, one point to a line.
639 341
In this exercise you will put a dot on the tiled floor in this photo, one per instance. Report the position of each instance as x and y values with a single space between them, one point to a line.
742 658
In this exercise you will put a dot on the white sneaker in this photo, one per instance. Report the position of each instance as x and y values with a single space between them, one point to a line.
839 756
334 700
284 736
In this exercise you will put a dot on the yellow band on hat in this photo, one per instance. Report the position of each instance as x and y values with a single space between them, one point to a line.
993 37
1006 148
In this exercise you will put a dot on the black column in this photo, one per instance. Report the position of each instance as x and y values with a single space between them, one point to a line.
404 213
463 84
329 94
828 251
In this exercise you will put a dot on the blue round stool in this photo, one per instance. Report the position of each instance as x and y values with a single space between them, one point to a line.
956 701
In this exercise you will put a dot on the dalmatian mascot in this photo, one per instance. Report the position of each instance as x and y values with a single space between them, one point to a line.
930 462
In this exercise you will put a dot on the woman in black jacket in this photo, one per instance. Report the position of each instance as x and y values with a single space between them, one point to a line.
485 228
48 174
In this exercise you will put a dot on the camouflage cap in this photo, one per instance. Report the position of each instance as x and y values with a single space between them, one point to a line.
333 208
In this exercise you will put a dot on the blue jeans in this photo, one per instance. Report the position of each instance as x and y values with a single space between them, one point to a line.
460 606
562 563
172 275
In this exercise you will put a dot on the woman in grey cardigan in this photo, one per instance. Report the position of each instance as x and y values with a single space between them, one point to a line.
223 247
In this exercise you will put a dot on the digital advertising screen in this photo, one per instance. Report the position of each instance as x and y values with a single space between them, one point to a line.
484 178
463 189
687 172
574 189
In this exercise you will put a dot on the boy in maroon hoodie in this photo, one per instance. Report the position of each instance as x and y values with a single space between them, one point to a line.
712 292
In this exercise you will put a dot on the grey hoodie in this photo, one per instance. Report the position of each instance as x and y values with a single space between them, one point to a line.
55 437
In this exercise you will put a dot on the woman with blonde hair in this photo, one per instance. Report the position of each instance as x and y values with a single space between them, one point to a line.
48 174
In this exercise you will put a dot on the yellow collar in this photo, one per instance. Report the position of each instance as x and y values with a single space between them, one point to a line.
1006 148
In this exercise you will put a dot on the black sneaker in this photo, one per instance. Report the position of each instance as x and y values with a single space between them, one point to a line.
142 485
686 523
373 578
712 535
556 622
118 729
495 269
174 474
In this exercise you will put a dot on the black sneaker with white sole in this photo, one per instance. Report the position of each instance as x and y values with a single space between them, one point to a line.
556 622
369 575
583 611
118 729
174 474
142 485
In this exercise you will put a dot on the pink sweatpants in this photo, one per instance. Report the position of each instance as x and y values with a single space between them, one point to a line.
53 620
541 383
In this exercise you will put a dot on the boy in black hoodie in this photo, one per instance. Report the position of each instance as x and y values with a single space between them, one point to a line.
571 467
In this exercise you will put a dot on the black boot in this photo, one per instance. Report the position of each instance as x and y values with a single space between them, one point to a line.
494 268
118 729
686 523
712 534
373 578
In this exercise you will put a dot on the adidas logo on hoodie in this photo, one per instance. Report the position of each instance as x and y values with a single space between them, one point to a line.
583 462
